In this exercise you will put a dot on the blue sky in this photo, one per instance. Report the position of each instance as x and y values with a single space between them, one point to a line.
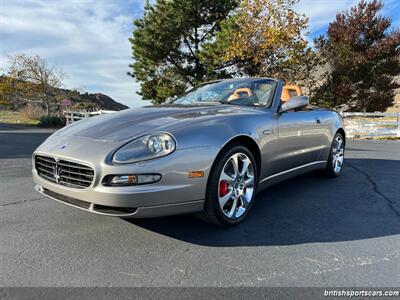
88 39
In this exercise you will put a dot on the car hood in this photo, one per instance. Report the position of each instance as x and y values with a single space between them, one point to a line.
135 122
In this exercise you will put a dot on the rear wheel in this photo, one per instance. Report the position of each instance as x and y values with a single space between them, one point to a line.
336 156
231 188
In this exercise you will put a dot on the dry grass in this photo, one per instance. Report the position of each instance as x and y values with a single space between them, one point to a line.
14 117
33 112
388 138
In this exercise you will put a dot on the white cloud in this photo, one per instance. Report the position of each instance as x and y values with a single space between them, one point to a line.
321 12
88 39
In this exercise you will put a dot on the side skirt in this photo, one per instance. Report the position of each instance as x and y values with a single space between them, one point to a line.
282 176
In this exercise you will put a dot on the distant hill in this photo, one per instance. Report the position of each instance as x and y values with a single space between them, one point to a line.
78 99
102 101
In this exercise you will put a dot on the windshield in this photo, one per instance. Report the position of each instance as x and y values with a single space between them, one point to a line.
253 92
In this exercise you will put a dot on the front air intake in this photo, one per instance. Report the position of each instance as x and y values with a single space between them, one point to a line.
64 172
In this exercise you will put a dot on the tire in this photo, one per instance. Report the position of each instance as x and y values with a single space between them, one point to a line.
336 156
222 184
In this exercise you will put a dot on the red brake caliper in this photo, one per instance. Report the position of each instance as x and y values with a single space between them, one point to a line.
223 188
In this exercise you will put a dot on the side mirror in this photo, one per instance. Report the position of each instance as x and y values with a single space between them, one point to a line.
294 103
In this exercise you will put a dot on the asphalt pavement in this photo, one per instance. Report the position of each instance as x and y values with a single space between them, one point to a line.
308 231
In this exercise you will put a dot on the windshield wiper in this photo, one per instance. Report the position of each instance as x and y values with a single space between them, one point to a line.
233 102
227 102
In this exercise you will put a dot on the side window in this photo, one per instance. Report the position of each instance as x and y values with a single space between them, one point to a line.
264 92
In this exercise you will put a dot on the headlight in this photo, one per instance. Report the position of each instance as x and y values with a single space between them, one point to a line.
144 148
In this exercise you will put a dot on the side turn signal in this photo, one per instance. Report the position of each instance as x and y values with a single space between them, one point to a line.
196 174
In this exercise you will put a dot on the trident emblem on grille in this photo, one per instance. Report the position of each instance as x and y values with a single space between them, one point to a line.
56 172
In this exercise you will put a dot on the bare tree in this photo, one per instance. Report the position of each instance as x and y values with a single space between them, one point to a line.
36 78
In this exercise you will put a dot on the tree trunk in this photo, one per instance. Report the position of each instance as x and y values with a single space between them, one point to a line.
47 108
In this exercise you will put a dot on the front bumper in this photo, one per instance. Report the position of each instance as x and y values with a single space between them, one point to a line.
175 193
127 212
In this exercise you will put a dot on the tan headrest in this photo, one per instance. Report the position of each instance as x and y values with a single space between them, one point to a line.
236 94
285 95
286 92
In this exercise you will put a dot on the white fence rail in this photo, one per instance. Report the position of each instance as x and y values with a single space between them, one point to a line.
358 124
73 116
366 125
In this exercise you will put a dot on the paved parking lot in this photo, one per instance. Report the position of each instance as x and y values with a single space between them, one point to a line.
309 231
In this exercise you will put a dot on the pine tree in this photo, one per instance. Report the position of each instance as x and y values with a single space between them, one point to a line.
362 56
168 45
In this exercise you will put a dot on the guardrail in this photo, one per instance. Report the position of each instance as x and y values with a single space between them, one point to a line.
364 125
73 116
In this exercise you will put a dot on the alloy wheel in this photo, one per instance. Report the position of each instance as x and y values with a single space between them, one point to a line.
236 185
337 154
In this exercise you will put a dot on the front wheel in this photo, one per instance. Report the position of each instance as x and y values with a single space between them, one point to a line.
336 156
231 188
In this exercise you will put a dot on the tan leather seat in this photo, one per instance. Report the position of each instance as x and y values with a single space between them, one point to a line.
237 94
285 95
289 90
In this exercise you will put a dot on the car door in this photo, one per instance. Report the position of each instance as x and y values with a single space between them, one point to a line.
300 136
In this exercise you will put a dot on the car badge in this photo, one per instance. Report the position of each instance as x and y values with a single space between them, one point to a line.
57 172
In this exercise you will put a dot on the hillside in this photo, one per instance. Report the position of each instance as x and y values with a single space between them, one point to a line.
102 101
17 101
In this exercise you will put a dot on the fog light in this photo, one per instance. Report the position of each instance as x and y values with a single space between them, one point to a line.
133 179
124 179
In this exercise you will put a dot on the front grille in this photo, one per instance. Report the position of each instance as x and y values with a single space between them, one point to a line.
64 172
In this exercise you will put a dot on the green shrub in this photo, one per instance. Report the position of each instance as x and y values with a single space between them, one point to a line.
51 121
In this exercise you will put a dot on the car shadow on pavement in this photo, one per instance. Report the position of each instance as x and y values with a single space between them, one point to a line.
362 203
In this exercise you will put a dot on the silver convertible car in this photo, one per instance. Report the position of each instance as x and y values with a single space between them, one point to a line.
207 152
